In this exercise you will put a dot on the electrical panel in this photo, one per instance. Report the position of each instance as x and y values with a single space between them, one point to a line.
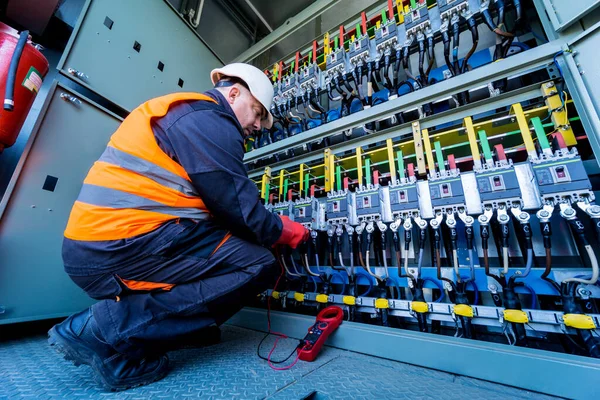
453 192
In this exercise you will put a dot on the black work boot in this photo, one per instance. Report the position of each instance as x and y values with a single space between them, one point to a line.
79 340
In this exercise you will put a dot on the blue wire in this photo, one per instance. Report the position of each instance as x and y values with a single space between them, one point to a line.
358 275
533 296
475 289
396 283
440 287
333 275
315 283
556 63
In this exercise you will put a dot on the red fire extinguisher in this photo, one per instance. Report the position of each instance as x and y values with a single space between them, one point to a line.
22 70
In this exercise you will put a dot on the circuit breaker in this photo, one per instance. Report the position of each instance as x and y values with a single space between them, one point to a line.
404 199
499 186
306 212
562 178
373 204
341 207
283 208
446 193
416 19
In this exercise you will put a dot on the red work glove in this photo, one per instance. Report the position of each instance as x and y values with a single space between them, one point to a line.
292 233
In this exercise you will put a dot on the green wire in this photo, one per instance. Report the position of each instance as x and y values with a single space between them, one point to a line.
440 156
400 164
338 177
383 17
368 170
285 189
267 190
306 182
540 132
485 145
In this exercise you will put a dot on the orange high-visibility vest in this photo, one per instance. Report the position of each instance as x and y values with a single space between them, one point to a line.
135 187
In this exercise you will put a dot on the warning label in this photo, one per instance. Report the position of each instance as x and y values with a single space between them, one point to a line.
33 80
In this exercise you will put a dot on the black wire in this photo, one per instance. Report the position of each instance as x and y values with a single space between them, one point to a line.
446 40
575 343
265 358
372 78
455 44
397 70
472 24
430 56
422 75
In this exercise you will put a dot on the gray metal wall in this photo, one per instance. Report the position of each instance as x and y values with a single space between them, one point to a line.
67 131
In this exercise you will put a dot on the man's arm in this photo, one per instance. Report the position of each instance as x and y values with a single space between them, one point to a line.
209 146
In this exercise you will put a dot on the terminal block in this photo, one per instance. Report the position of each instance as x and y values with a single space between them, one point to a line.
448 8
446 192
498 186
341 208
359 51
562 178
335 63
309 78
386 38
404 200
306 212
417 20
288 88
283 208
373 204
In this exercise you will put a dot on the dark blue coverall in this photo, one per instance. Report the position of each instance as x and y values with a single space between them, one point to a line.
210 286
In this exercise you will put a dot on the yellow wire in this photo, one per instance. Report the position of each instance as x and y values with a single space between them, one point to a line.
566 110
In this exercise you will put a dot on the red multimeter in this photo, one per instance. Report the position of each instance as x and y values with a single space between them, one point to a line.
327 321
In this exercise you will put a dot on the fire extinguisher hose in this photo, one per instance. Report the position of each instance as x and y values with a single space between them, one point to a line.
9 103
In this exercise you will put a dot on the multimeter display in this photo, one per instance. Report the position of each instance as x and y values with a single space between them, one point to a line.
327 321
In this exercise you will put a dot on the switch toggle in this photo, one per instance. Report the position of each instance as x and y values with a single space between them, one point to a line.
560 173
445 190
497 183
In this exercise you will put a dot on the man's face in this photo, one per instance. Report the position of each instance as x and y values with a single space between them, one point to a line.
247 109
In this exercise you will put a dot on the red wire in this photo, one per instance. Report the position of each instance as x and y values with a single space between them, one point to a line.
280 335
281 368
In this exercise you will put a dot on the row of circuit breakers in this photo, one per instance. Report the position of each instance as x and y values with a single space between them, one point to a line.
373 65
542 184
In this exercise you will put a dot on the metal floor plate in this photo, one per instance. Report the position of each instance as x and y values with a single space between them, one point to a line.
29 368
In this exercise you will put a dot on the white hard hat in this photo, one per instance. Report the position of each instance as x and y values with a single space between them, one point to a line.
258 83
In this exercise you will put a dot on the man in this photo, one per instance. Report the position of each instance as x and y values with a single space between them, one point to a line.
168 231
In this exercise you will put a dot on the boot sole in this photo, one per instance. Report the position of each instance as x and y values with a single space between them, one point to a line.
57 341
62 346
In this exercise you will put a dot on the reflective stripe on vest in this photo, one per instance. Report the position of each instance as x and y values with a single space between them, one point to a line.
135 187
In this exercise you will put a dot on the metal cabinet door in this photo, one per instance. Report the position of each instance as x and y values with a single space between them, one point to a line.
68 137
564 13
131 51
583 80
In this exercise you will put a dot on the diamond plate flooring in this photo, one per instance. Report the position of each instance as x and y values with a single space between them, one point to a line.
29 368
